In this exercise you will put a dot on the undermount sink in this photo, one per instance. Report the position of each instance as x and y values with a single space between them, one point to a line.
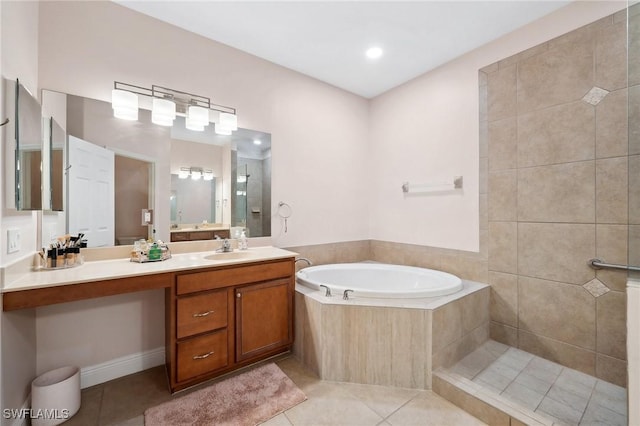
228 255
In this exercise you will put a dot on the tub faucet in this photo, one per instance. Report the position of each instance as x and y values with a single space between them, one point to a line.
303 259
225 247
327 292
345 295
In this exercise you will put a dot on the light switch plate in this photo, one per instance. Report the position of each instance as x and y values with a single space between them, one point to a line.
13 240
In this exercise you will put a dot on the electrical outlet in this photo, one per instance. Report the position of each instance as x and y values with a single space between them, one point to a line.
13 240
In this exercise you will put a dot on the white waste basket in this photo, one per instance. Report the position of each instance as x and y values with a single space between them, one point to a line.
55 396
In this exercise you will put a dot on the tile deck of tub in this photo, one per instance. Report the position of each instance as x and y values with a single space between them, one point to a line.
560 394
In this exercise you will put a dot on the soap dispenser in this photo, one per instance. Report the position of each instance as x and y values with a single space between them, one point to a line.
242 242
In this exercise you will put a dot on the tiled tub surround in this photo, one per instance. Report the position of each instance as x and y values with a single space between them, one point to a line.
464 264
391 342
554 130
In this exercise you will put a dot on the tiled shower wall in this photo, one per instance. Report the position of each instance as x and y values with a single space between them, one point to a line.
555 122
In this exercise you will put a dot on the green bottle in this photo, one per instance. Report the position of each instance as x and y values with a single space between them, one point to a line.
155 253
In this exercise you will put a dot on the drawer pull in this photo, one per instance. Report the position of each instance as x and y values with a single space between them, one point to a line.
202 314
207 355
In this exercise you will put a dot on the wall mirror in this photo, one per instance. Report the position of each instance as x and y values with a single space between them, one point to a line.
145 157
26 114
193 201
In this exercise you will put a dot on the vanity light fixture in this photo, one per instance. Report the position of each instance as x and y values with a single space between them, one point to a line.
163 112
222 131
184 173
167 103
197 118
228 121
124 104
196 174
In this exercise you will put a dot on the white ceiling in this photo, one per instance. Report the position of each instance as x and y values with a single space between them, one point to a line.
327 39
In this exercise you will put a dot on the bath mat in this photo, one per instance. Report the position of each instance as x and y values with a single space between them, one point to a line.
246 399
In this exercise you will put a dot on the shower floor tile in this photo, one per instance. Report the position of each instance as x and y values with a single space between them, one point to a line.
561 394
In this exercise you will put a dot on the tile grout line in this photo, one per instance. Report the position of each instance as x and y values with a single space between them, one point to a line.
593 389
384 419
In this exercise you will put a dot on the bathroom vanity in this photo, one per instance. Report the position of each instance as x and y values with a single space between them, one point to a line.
225 318
223 311
199 234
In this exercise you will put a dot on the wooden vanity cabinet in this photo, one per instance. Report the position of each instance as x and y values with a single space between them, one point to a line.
199 235
225 318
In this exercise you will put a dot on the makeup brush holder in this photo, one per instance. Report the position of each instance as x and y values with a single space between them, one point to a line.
58 258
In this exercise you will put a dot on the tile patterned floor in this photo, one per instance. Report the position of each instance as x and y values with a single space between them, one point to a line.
566 396
122 402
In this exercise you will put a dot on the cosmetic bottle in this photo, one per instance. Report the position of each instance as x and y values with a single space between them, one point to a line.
243 244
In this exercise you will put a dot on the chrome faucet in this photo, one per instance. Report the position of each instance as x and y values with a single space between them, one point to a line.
345 295
304 259
225 247
327 292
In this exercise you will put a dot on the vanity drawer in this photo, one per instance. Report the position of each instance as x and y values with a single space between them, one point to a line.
201 313
200 235
179 236
244 274
223 233
201 355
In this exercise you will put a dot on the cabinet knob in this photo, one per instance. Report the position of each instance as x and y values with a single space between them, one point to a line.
238 295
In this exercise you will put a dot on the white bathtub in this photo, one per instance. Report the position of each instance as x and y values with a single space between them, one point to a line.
380 280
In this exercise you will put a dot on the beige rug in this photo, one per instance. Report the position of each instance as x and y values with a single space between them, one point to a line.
247 399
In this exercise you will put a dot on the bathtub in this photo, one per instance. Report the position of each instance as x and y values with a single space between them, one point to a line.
380 280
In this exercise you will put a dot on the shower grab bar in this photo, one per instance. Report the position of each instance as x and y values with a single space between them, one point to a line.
600 264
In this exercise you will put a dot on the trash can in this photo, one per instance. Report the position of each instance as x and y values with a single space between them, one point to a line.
55 396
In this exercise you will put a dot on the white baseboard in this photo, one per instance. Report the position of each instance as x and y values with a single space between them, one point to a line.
96 374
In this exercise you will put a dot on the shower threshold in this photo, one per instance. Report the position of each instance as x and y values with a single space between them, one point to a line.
497 382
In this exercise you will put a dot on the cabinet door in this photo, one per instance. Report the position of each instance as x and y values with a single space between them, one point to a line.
264 318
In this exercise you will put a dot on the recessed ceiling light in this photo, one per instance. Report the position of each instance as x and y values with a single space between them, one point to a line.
257 142
374 52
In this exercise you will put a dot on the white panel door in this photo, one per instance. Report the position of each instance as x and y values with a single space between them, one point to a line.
91 204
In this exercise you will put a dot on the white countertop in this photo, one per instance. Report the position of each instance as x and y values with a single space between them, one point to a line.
123 268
